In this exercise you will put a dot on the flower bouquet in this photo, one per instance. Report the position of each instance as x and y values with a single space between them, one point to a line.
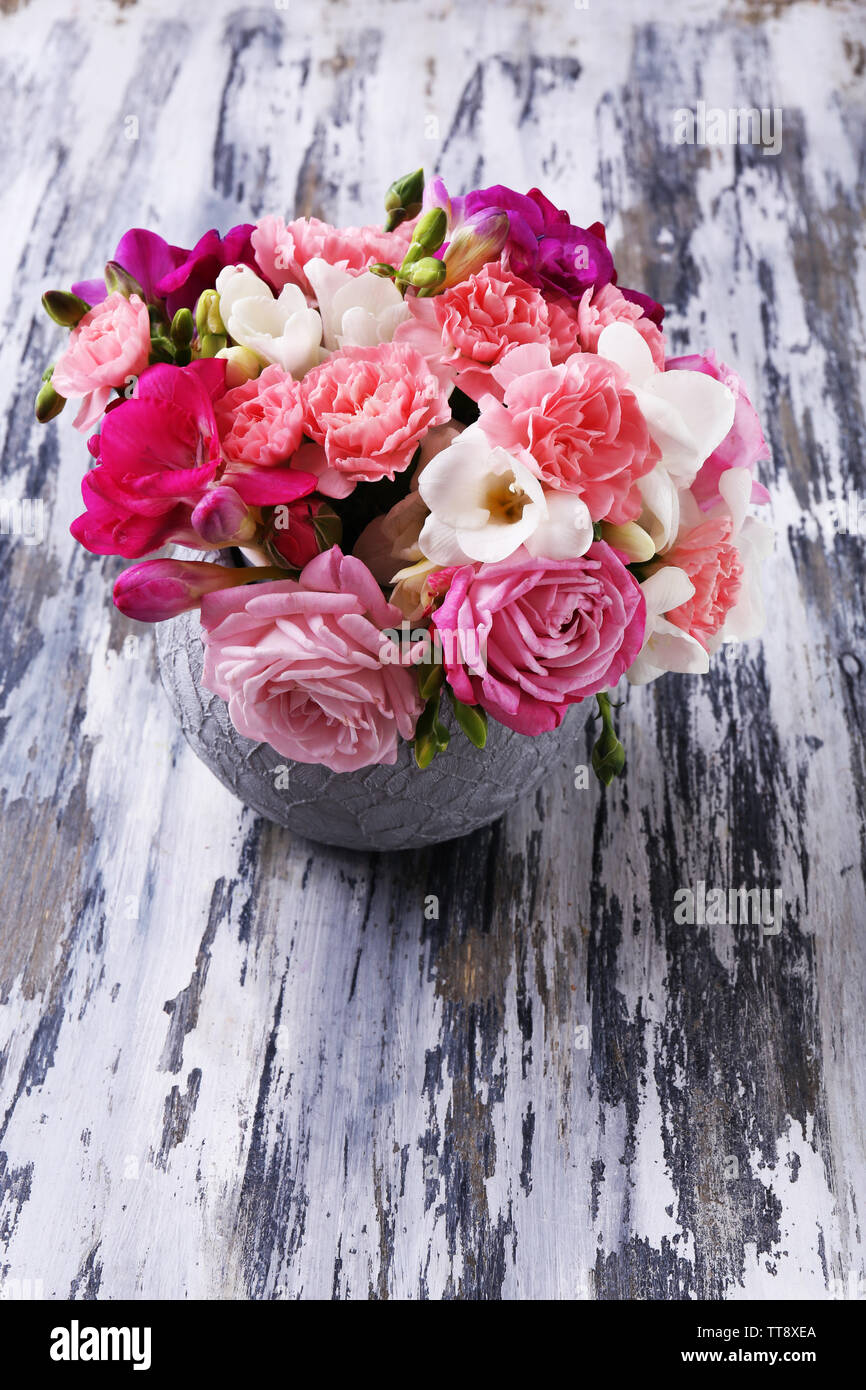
440 473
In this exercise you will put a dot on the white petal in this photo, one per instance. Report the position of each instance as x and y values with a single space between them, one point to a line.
566 532
439 543
236 282
661 509
705 405
735 485
666 588
675 650
497 540
679 448
621 343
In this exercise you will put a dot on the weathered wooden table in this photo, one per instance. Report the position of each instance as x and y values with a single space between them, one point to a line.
237 1065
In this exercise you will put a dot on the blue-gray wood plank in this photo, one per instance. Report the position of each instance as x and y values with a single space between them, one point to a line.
233 1064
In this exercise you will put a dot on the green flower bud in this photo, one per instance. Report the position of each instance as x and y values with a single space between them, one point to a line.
65 309
380 268
182 328
161 349
211 344
207 315
119 281
431 229
427 274
403 199
48 403
608 754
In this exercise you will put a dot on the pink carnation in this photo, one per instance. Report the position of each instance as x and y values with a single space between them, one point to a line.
109 345
300 665
714 566
598 308
369 408
550 633
743 446
261 421
282 249
580 423
471 326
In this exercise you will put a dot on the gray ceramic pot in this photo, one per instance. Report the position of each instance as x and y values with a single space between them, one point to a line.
379 808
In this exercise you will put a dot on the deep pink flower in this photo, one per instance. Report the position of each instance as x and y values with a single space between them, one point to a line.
157 455
744 445
369 408
581 425
181 287
143 255
300 665
107 347
550 632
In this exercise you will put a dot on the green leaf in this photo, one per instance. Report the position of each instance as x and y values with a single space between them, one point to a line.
472 720
430 679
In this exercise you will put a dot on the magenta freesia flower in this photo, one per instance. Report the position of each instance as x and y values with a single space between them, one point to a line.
143 255
743 446
181 287
157 454
551 632
300 665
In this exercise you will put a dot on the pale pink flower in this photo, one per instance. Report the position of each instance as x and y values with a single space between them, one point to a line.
598 308
580 424
712 562
282 249
369 408
261 421
470 327
303 665
110 345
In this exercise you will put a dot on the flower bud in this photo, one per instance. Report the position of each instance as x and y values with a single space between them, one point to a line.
48 403
380 268
207 314
631 539
241 365
426 274
65 309
119 281
211 344
302 529
182 328
403 198
431 229
223 518
480 239
160 589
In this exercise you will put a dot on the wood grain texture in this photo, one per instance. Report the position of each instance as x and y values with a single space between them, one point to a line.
233 1065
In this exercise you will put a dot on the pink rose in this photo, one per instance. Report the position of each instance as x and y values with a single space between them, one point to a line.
743 446
283 249
598 308
714 566
369 408
551 632
580 423
110 344
299 665
471 326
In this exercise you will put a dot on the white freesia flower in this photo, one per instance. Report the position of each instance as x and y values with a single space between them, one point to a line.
282 330
484 502
688 413
666 647
357 310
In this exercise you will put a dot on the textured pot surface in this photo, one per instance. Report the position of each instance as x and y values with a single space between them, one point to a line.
379 808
